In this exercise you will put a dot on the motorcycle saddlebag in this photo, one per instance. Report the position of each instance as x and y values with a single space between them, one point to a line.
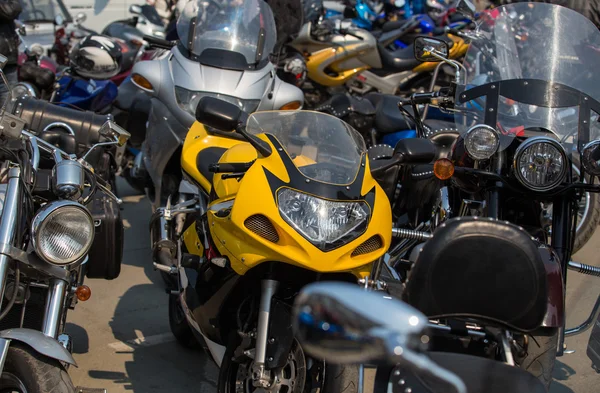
106 254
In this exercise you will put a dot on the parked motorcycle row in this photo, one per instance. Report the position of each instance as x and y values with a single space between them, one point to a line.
420 218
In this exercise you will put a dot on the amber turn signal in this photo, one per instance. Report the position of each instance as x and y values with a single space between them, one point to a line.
443 169
83 293
141 82
291 106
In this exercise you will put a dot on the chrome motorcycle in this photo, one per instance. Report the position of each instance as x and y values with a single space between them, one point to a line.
58 219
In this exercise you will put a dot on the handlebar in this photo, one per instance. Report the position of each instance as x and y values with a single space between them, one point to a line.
230 167
159 42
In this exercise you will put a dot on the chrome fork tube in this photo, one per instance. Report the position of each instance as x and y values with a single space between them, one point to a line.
268 290
54 306
8 222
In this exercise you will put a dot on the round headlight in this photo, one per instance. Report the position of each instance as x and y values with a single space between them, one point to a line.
63 232
590 158
481 142
540 163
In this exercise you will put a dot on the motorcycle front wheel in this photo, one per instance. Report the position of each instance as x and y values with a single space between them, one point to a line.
301 374
27 371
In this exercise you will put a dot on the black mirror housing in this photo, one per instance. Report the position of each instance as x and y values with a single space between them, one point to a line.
219 114
414 151
466 8
431 49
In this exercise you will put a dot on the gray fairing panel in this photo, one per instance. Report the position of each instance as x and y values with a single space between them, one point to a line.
168 123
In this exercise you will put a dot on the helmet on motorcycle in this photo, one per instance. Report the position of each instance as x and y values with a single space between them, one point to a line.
96 57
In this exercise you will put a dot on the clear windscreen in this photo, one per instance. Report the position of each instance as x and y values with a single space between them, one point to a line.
531 41
244 27
43 11
323 147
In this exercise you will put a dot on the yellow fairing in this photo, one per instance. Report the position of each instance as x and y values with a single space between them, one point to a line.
318 62
457 51
197 140
253 196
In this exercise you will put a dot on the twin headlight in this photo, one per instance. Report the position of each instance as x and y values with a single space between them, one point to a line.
540 163
326 224
62 232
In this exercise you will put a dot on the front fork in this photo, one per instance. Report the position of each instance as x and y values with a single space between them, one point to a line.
262 378
9 223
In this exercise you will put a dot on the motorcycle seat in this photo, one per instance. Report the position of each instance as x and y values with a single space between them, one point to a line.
402 59
388 117
502 265
479 375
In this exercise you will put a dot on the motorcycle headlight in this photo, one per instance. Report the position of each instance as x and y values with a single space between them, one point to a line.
62 232
326 224
481 142
540 163
188 100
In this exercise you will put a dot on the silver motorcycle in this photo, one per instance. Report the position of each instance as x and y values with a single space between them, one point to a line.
48 227
224 52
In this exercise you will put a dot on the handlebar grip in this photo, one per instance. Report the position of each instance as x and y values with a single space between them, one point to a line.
158 42
230 167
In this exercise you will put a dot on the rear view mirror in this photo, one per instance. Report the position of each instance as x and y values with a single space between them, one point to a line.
430 49
135 9
415 151
219 114
80 18
466 8
350 12
342 323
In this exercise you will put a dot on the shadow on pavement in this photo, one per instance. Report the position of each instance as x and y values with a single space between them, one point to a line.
562 372
155 363
136 213
79 337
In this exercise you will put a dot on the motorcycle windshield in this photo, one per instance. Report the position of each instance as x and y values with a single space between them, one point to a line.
543 48
323 147
232 34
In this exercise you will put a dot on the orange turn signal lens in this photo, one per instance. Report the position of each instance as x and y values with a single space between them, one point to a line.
443 169
141 82
83 293
291 106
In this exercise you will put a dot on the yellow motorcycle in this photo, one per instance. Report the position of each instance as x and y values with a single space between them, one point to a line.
346 56
288 198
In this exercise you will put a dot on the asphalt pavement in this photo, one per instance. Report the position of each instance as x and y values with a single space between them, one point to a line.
122 340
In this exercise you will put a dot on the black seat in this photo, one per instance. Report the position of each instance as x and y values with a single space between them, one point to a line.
443 134
402 59
388 117
479 375
206 157
483 269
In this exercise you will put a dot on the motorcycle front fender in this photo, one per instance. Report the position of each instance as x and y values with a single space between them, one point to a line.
37 340
555 312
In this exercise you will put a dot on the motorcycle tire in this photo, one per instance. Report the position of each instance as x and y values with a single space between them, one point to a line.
338 379
28 371
541 354
179 325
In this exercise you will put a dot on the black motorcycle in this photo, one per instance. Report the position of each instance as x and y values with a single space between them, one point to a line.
59 223
526 135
